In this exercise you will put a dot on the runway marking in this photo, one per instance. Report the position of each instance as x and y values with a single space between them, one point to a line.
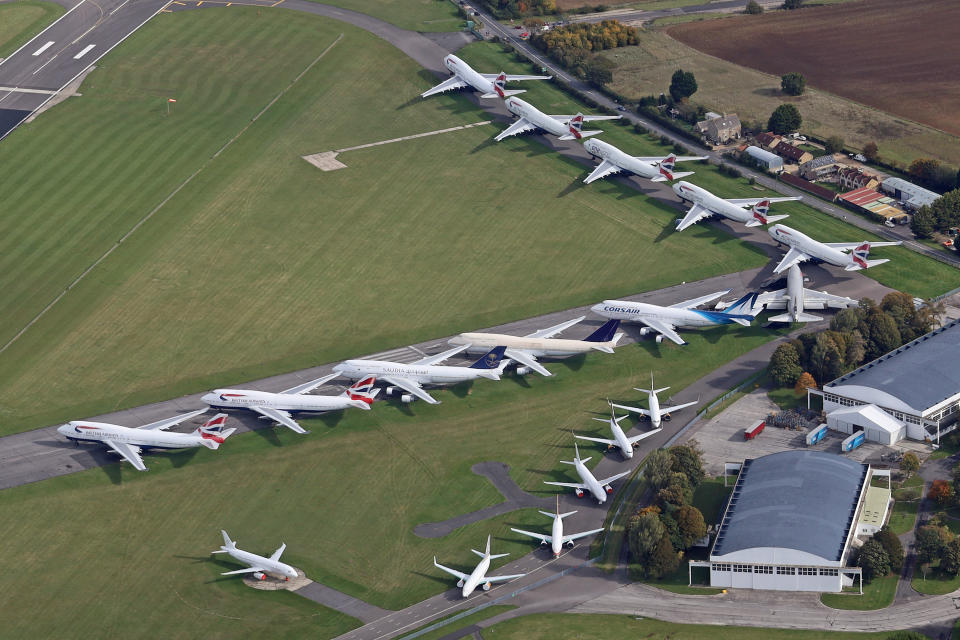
45 64
19 90
84 51
43 48
118 8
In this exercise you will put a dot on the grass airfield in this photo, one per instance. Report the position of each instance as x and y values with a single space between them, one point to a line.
22 20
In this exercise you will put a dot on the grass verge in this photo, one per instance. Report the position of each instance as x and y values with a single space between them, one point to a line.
877 594
21 20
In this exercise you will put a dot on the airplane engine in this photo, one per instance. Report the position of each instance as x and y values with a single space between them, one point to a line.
543 542
259 575
659 339
579 493
460 584
487 585
406 398
667 417
645 330
391 390
608 489
522 371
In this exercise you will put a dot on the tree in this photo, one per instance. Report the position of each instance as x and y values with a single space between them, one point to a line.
882 334
687 459
845 320
856 350
658 469
599 71
930 541
835 144
792 4
925 170
785 365
644 534
909 463
826 358
871 152
874 560
784 119
663 560
753 8
682 85
892 545
691 525
941 492
923 222
804 382
793 83
950 560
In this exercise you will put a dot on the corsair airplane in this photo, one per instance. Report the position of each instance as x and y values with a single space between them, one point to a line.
613 160
526 349
412 377
129 442
531 119
478 577
278 406
665 320
705 205
656 413
620 440
556 539
490 85
260 567
599 488
803 248
796 300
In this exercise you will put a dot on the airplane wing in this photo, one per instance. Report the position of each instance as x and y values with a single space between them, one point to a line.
612 443
585 118
643 435
538 536
694 215
658 159
572 485
769 300
677 407
279 552
823 300
645 412
411 387
664 328
554 330
514 78
527 359
749 202
502 578
696 302
603 170
794 256
129 452
452 572
280 417
447 85
577 536
307 387
169 422
847 246
239 571
440 357
520 126
607 481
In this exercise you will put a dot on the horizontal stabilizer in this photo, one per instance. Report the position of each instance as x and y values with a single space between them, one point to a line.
675 176
756 223
870 263
583 134
512 92
801 317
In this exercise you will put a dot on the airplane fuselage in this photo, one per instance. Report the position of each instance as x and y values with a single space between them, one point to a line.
716 205
424 374
102 432
590 482
534 116
621 438
466 73
613 155
801 242
247 399
794 292
636 311
477 577
556 536
550 347
654 403
272 568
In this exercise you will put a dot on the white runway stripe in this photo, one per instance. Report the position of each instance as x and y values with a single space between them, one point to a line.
43 48
84 51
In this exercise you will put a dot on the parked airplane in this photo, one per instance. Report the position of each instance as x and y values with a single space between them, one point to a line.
526 349
490 85
260 566
478 577
613 160
129 442
556 539
665 320
599 488
531 119
656 413
620 440
279 406
705 205
803 248
796 300
412 377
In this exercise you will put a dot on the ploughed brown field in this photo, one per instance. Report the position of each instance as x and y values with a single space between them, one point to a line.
901 56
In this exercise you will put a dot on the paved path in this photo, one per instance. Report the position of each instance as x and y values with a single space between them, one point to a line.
340 601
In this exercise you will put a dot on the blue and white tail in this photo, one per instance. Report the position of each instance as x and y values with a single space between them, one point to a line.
491 363
742 311
606 337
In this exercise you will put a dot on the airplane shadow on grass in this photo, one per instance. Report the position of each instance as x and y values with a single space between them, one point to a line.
178 458
533 149
573 187
650 346
489 142
461 390
269 433
574 363
330 419
520 381
439 579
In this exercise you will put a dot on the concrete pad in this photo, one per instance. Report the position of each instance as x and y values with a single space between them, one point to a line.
68 91
275 584
325 161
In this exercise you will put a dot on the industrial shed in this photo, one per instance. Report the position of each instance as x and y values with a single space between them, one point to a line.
767 160
909 194
877 424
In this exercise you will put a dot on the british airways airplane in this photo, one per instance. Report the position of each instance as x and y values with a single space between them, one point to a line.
613 160
706 205
531 119
490 85
852 256
665 320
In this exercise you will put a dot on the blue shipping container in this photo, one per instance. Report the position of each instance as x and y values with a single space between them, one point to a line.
852 442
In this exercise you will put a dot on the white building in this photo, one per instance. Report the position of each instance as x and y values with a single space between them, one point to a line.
911 195
878 425
790 521
767 160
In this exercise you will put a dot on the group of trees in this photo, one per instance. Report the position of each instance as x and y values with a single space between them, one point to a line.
506 9
753 8
659 533
932 174
936 542
855 336
784 119
939 216
880 555
793 83
574 47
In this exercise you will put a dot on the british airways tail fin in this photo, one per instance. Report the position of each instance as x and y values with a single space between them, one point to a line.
604 333
363 390
212 434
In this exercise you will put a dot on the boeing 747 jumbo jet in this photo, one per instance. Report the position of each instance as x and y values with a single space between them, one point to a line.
803 248
665 320
128 442
412 377
796 300
260 567
599 488
531 119
705 205
278 406
490 85
656 413
526 349
478 577
556 539
620 440
613 160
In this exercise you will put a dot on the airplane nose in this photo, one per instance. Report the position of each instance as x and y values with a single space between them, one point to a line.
62 429
208 398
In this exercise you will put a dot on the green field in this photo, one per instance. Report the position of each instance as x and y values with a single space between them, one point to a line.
877 594
605 627
935 583
23 19
903 516
416 15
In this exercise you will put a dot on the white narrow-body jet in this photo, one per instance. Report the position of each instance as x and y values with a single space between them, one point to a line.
557 539
613 160
852 256
259 566
620 439
478 577
796 300
526 349
706 205
129 442
655 412
412 377
486 83
598 488
665 320
530 119
278 407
